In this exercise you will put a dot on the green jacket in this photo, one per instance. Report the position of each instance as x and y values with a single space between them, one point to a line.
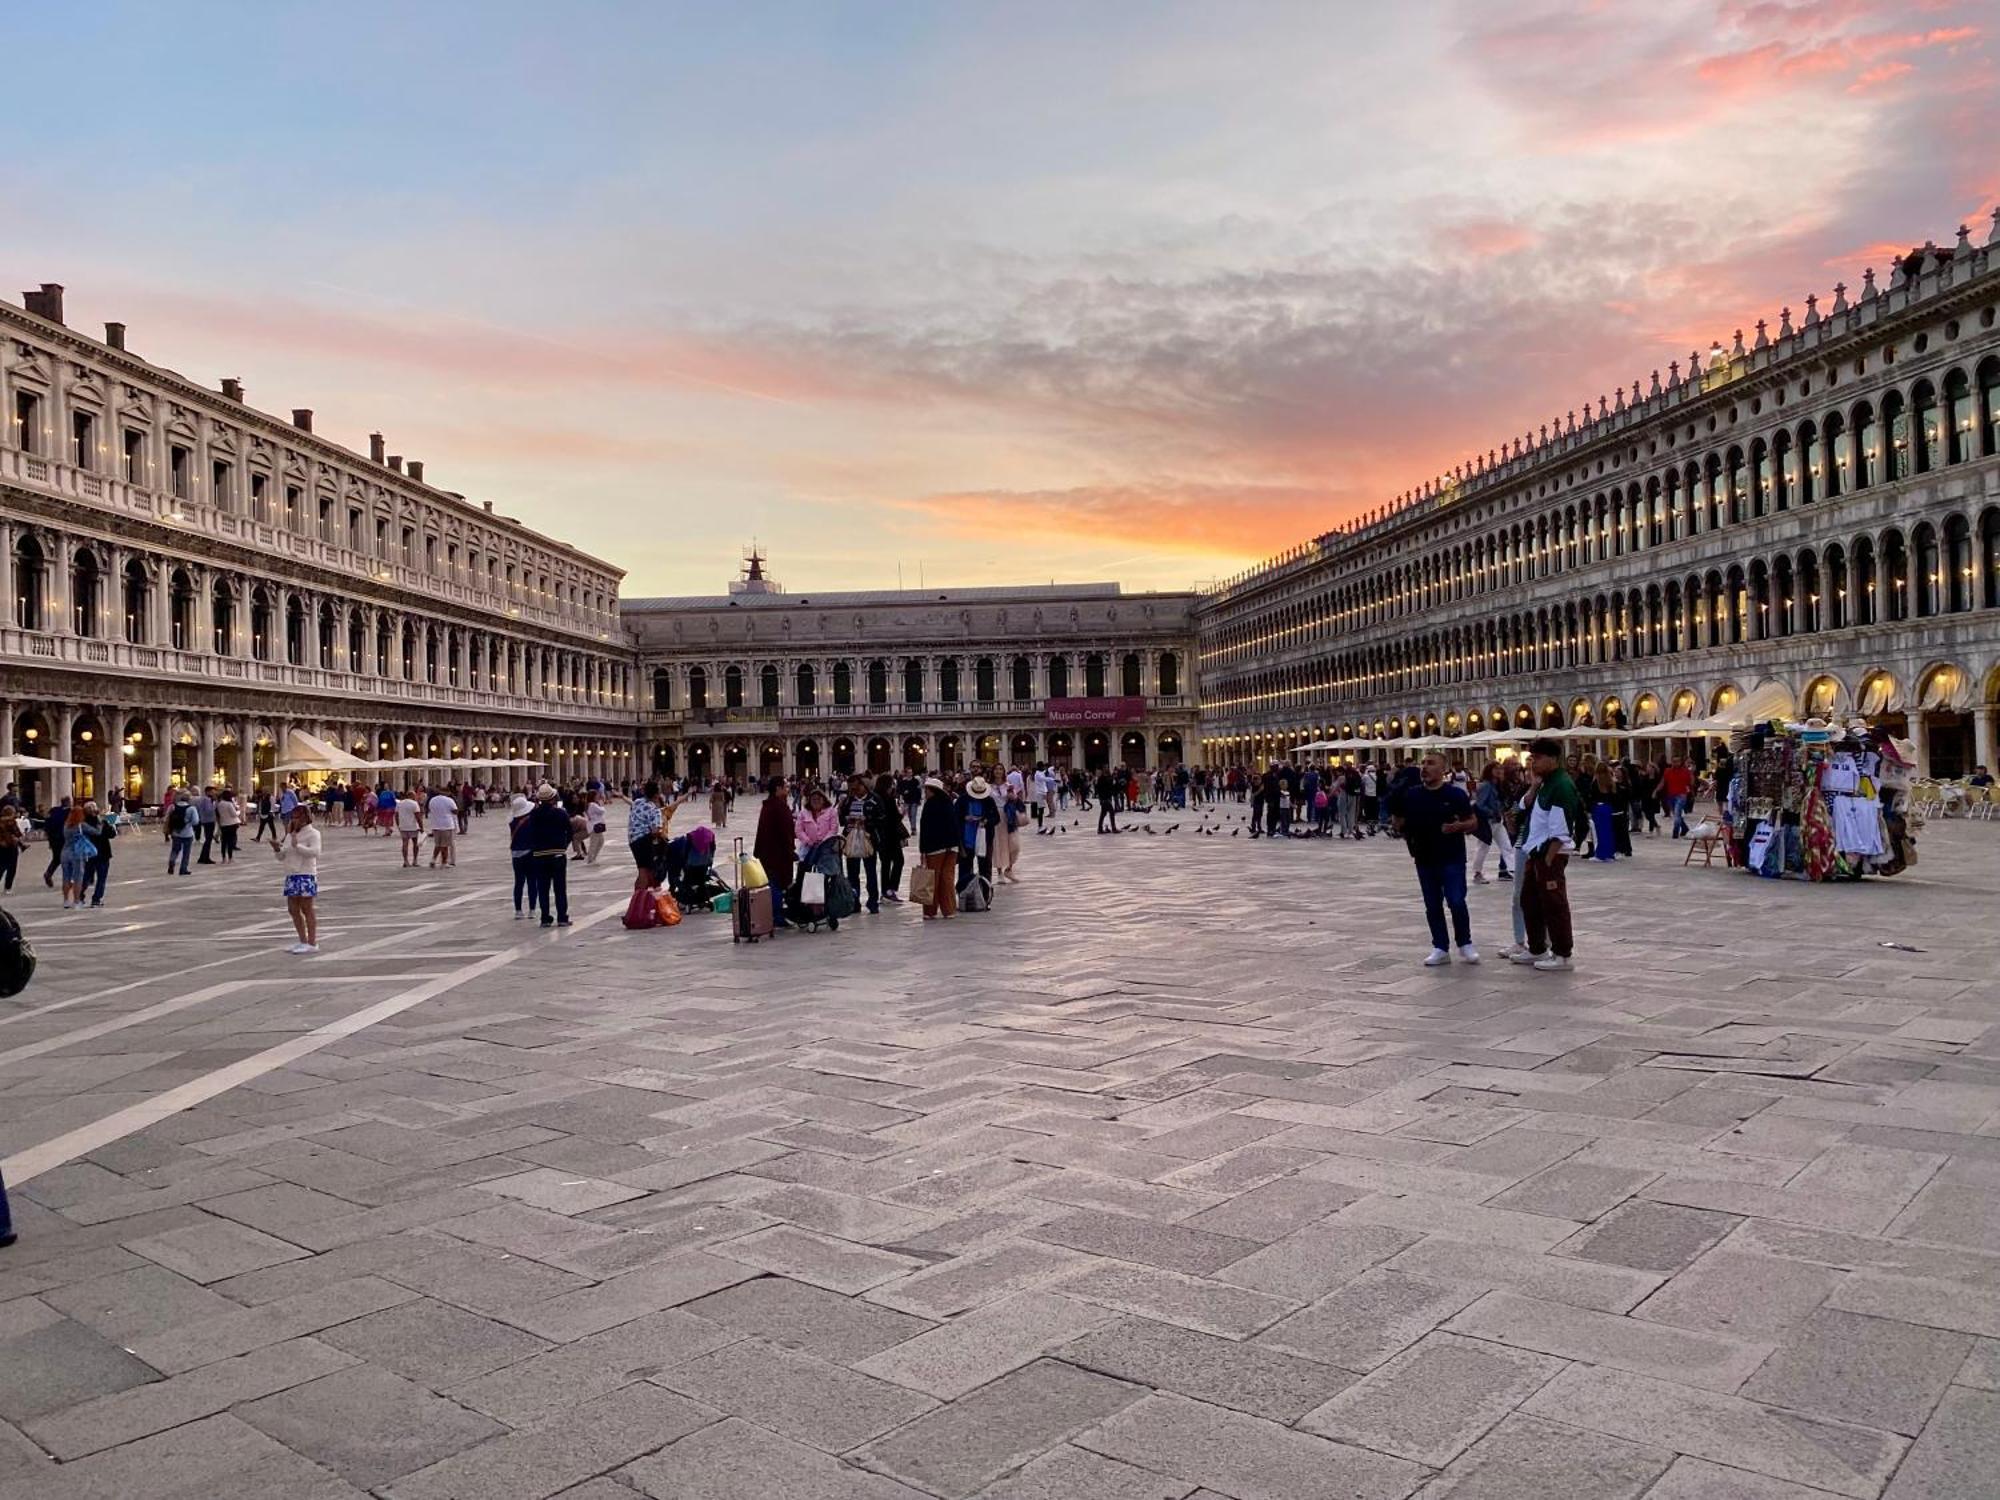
1558 790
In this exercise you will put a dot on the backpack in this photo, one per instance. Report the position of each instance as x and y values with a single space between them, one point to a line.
178 818
17 958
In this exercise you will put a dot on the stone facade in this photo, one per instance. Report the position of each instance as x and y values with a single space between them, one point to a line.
758 681
184 578
1819 509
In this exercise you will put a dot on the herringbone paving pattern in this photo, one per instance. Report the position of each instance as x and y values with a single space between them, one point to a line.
1173 1176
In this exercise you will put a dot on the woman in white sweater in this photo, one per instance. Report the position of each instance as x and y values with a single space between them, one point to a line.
298 851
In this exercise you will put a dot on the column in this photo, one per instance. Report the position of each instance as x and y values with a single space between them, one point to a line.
1879 605
1920 739
7 711
7 577
62 557
159 753
204 771
1982 734
111 777
246 742
64 725
203 637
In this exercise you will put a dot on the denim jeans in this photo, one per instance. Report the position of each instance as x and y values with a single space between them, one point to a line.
1678 807
1444 885
179 849
548 875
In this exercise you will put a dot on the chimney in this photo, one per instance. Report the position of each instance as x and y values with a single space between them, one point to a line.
114 335
232 388
47 303
302 418
375 449
396 462
417 470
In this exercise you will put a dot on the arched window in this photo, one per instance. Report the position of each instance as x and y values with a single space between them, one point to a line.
1810 602
223 608
732 686
1834 467
86 585
1961 432
1170 674
1808 464
431 657
805 685
1760 478
1898 459
1738 484
1989 406
663 689
1867 447
878 681
983 687
1928 584
913 680
1058 676
697 687
948 680
843 684
1024 679
329 636
1896 564
1957 564
1093 675
1834 588
1989 557
767 685
1128 675
138 599
295 631
1927 420
30 582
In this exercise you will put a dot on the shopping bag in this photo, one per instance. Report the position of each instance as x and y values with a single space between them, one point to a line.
753 873
923 885
812 888
669 909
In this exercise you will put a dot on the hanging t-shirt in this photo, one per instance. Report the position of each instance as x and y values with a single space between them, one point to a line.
1857 826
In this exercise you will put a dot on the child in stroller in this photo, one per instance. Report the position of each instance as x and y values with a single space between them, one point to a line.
691 870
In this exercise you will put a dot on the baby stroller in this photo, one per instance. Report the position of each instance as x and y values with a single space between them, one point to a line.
695 884
822 859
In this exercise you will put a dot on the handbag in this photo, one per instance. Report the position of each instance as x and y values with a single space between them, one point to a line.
859 844
923 885
669 909
812 888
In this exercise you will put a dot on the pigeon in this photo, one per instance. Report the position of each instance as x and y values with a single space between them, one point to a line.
1234 831
1149 829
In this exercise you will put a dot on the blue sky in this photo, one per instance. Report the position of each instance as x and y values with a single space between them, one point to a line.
1014 291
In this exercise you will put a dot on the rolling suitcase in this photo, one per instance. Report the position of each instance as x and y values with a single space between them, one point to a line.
751 917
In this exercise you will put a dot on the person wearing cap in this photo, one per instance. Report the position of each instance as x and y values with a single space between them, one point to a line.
547 830
937 847
517 847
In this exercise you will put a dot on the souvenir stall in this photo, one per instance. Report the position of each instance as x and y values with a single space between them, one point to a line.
1819 801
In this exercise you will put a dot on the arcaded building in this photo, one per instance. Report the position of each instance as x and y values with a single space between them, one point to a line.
185 578
1815 506
756 681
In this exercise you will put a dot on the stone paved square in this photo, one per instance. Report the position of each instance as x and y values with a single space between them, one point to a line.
1174 1174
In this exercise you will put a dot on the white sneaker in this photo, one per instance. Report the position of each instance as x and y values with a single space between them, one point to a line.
1510 950
298 948
1553 964
1468 954
1524 956
1438 959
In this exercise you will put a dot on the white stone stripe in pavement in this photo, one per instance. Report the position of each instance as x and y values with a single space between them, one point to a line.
23 1166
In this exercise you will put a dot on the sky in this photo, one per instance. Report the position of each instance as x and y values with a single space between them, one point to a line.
981 294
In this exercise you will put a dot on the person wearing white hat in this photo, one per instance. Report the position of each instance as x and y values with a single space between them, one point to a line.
937 848
517 846
547 834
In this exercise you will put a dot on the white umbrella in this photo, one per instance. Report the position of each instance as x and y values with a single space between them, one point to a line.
36 763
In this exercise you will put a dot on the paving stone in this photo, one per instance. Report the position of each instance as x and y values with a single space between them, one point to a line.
1244 1377
733 1460
1875 1173
796 1315
56 1366
1659 1237
1868 1371
1945 1214
367 1425
538 1461
1369 1320
668 1283
214 1250
1431 1213
842 1216
1958 1455
1707 1360
1935 1304
1578 1191
534 1389
1526 1458
1698 1479
795 1395
1313 1261
144 1410
1246 1457
280 1207
970 1281
959 1448
837 1265
127 1306
1066 1473
216 1458
1981 1369
239 1332
1210 1306
1723 1429
1516 1153
965 1353
1434 1400
561 1192
433 1343
1579 1283
1857 1252
1276 1209
1806 1207
1170 1246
